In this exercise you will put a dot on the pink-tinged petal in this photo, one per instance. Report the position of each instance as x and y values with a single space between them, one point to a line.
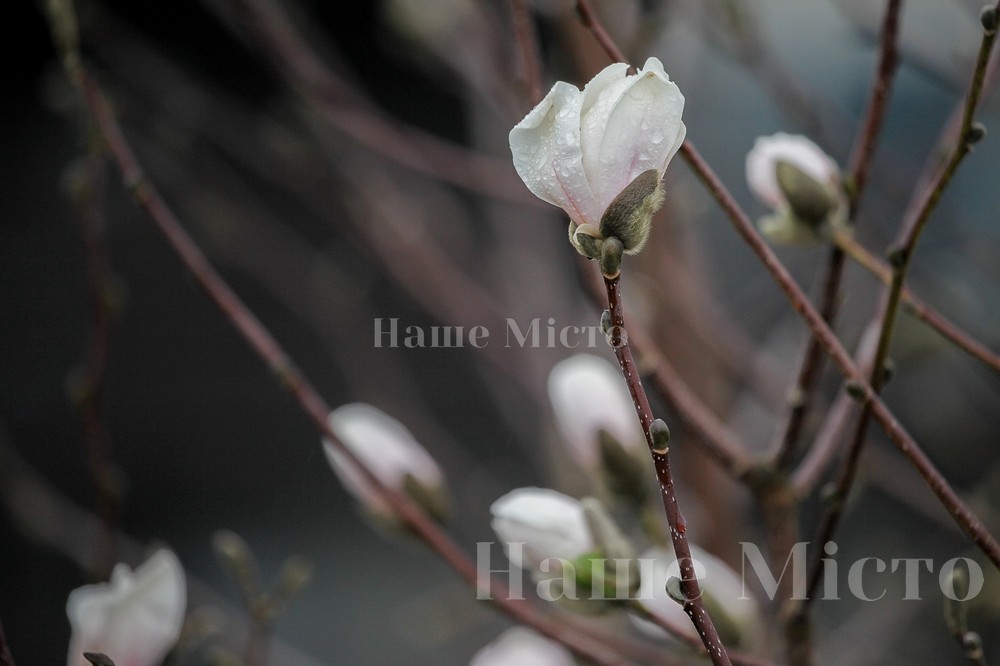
548 157
633 127
797 150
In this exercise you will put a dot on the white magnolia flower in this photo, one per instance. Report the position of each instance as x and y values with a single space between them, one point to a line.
135 618
736 613
548 523
807 199
386 448
588 395
579 149
522 647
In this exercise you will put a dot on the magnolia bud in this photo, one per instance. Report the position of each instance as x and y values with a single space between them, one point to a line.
629 217
611 258
809 200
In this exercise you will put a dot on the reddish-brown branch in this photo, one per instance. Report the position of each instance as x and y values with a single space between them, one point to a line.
903 250
527 47
270 351
593 23
274 33
859 167
91 397
960 512
693 606
917 306
719 442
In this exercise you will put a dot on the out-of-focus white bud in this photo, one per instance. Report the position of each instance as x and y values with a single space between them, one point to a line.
522 647
794 177
391 453
735 613
135 618
548 523
588 395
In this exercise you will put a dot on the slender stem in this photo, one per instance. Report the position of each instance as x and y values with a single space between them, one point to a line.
812 365
271 352
902 254
860 166
593 23
917 306
527 46
421 151
960 512
686 637
91 400
693 606
718 440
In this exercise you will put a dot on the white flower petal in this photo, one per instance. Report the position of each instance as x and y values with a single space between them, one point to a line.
547 154
794 149
549 523
588 394
519 646
384 446
631 128
135 618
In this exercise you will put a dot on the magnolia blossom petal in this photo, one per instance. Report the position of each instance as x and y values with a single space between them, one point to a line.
587 395
633 127
519 646
135 618
795 149
384 446
548 157
547 522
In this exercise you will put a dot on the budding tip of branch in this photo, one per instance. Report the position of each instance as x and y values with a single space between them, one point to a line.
975 134
988 17
611 257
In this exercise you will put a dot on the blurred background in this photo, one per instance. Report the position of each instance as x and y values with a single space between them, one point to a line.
373 179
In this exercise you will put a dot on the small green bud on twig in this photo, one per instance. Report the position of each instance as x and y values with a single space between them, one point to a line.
660 434
674 591
611 258
988 17
855 389
606 322
897 257
975 134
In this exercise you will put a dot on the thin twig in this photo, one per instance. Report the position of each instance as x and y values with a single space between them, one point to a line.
91 391
689 639
917 306
718 440
527 47
271 352
593 23
901 257
959 511
693 605
857 178
416 149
